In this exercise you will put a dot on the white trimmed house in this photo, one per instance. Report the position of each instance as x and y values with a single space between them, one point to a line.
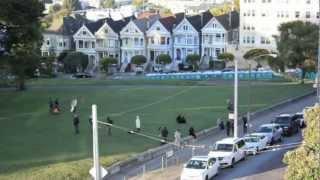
85 42
107 42
54 43
186 41
159 41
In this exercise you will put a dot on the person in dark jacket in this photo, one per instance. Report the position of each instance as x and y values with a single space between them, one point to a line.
76 122
164 133
110 121
50 105
192 132
245 124
228 127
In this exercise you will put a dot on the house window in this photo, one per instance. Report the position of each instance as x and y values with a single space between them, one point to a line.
48 42
93 45
308 15
64 44
84 32
168 40
136 41
185 27
318 15
126 41
141 42
262 40
214 25
162 40
99 42
218 52
106 31
308 1
152 40
252 40
158 28
80 44
60 44
86 44
218 37
297 14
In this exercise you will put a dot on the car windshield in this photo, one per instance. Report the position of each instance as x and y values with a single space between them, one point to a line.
224 147
251 139
265 129
282 120
196 164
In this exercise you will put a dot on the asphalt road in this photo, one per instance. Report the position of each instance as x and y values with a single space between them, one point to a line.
268 165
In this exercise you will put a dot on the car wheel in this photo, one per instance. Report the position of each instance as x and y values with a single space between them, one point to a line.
232 163
257 150
272 141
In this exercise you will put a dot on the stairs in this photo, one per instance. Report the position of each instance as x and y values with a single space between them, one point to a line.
204 63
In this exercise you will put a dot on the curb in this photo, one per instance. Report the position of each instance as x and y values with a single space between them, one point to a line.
162 150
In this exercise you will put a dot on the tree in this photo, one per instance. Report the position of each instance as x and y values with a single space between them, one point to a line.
46 65
138 59
226 57
71 5
106 62
194 60
225 8
303 163
55 8
24 37
75 61
164 59
137 3
298 43
62 55
108 3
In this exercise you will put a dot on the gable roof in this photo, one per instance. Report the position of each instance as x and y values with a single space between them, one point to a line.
168 22
225 20
198 21
144 24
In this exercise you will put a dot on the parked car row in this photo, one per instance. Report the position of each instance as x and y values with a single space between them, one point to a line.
229 151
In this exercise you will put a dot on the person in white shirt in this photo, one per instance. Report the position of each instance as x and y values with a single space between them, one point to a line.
138 124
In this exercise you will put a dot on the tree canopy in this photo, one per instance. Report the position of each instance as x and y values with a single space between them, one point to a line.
21 22
256 54
71 5
303 163
164 59
226 57
297 44
75 61
225 8
138 59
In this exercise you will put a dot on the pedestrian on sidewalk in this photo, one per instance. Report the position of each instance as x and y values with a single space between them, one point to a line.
164 134
220 124
228 127
177 138
192 132
76 122
245 124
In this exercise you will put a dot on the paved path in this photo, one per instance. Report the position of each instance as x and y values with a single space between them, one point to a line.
185 154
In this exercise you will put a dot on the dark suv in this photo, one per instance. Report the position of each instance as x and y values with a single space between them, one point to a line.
288 124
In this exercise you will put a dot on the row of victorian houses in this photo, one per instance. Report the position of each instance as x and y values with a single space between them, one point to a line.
151 36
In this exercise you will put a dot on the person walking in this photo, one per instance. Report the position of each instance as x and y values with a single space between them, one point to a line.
220 124
50 105
228 126
90 120
164 134
177 138
192 132
109 126
138 124
76 122
245 124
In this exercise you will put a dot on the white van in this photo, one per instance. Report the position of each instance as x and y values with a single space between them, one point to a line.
229 151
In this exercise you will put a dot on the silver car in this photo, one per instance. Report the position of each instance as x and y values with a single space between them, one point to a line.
272 131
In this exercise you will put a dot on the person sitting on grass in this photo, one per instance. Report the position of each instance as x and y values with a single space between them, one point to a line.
181 119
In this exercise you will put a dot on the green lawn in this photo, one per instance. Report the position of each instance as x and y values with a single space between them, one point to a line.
30 136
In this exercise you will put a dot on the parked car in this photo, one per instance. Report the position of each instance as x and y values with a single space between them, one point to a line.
299 117
255 143
288 124
81 75
229 151
200 168
272 131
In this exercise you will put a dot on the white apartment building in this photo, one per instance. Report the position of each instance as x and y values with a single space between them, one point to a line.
260 19
54 43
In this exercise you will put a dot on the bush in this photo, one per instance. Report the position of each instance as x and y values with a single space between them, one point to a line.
106 62
193 59
75 61
164 59
303 163
217 65
138 60
226 57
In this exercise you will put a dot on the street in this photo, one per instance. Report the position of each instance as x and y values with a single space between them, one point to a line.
248 169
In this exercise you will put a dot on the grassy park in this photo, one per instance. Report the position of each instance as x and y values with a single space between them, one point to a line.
33 139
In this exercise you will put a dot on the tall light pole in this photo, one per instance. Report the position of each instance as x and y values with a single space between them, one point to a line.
235 123
96 163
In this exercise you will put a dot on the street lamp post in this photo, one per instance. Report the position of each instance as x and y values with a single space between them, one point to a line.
318 68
